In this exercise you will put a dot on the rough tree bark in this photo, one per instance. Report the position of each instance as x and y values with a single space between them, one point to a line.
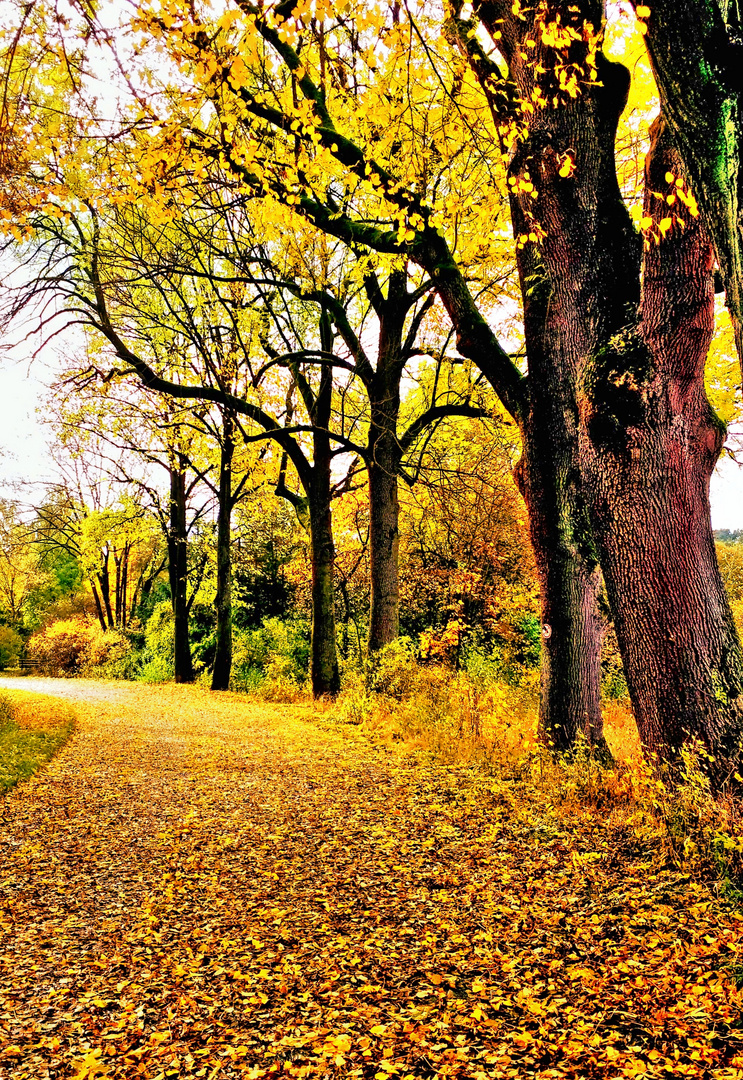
696 52
563 259
178 574
650 441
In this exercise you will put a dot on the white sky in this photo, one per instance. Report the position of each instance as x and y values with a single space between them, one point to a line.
23 441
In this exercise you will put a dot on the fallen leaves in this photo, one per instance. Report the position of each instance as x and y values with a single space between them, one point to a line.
202 887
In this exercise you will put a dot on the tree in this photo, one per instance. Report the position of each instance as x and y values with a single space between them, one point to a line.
648 436
21 570
302 115
104 535
303 151
129 429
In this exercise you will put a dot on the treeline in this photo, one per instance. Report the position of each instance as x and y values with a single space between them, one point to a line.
87 584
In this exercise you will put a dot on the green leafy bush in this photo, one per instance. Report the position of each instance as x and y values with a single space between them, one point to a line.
272 661
158 658
10 647
393 670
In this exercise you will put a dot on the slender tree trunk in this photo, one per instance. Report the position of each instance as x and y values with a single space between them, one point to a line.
117 588
325 674
650 441
384 533
223 599
124 584
104 581
324 658
98 607
178 575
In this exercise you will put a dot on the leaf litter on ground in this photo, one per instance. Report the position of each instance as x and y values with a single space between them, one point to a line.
201 886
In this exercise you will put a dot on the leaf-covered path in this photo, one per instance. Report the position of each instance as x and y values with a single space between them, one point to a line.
201 886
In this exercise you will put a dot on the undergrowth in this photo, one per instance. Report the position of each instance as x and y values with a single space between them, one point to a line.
472 718
33 727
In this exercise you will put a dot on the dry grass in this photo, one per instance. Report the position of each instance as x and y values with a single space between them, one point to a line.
33 727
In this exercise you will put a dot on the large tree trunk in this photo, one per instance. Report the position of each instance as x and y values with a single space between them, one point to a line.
549 478
650 441
223 600
565 228
383 464
324 671
178 575
696 52
570 584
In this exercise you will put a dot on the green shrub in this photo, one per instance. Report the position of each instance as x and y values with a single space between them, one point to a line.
156 662
288 649
10 647
155 669
393 670
159 632
271 662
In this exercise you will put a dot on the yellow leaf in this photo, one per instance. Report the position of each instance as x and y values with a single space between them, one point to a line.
643 11
378 1029
90 1066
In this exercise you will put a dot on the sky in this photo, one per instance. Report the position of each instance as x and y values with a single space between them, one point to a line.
24 438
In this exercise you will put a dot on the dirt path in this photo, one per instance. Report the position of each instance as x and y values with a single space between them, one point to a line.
201 886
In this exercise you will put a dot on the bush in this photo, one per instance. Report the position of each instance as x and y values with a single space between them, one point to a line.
10 647
61 649
272 661
158 659
73 647
156 669
111 654
393 670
